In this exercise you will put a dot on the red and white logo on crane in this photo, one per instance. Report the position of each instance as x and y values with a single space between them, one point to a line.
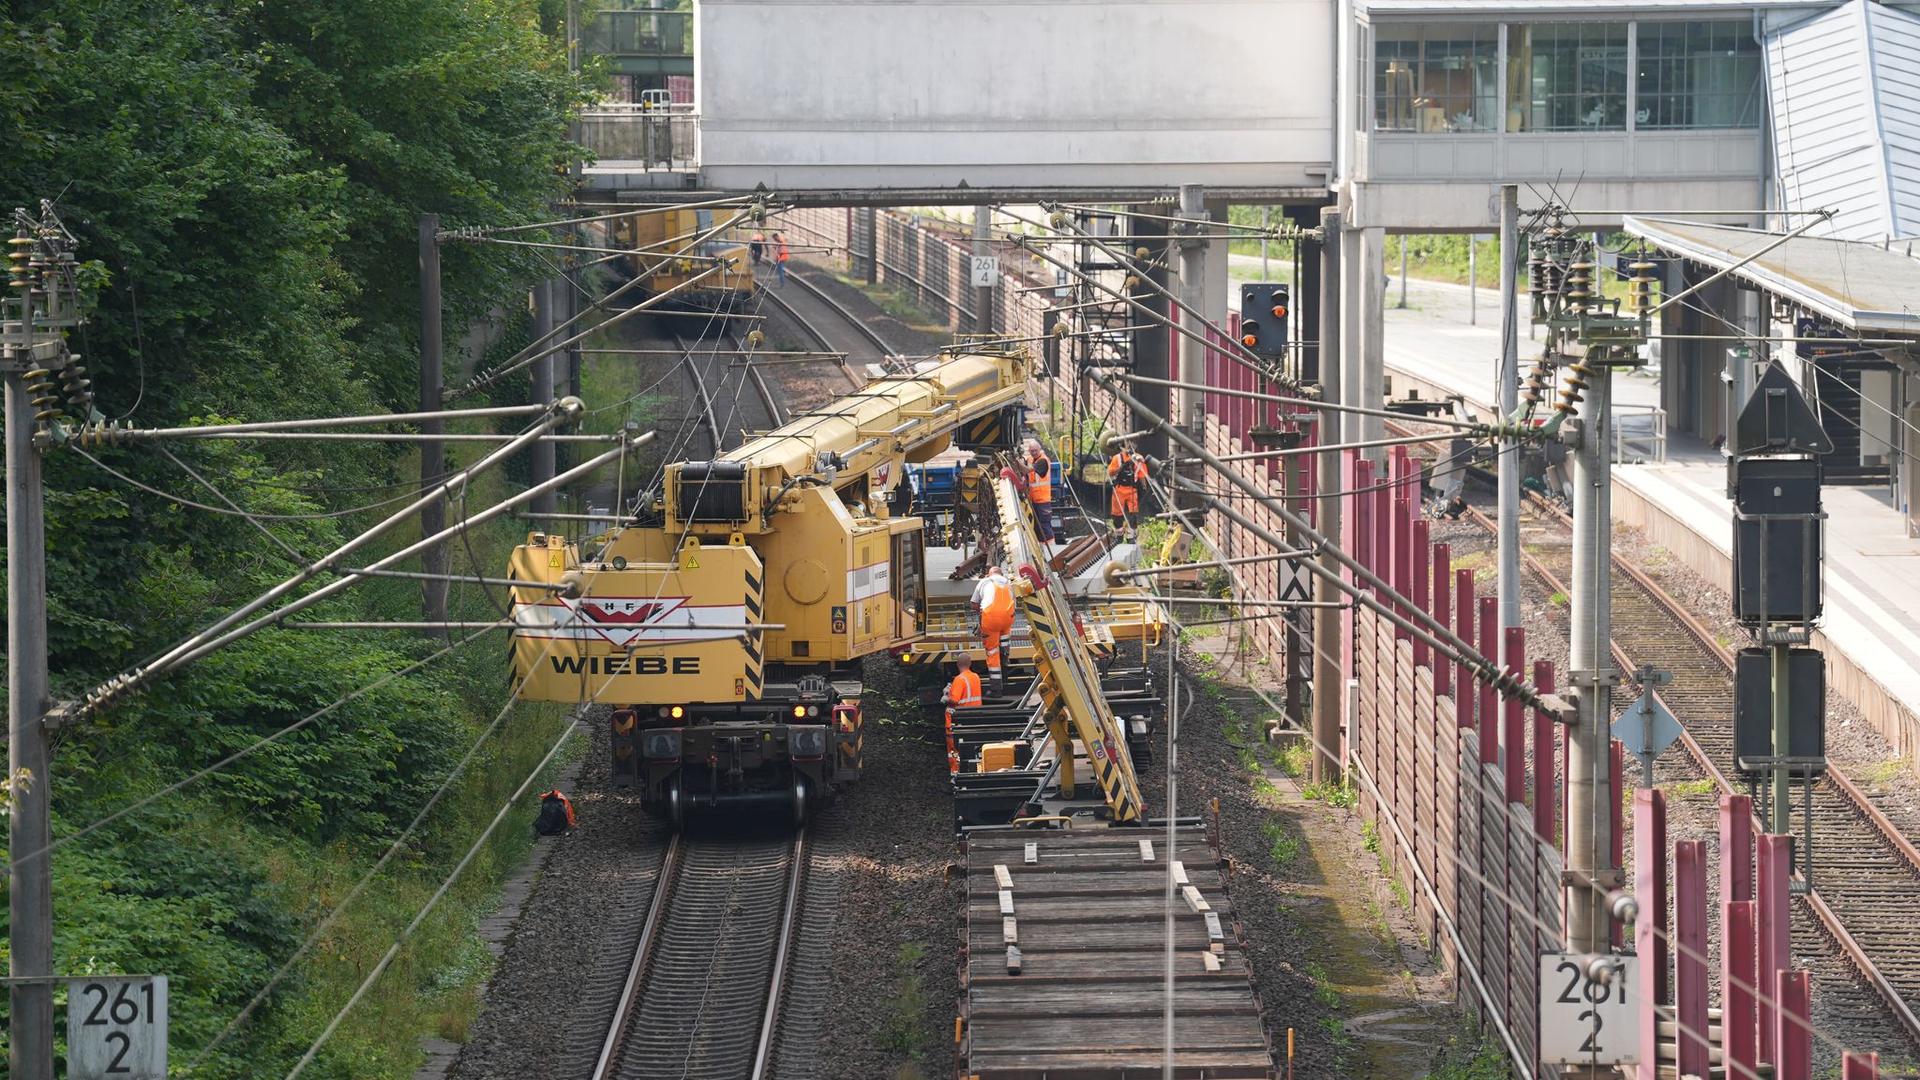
621 619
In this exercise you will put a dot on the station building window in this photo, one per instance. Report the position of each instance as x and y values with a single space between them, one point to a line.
1435 78
1697 75
1567 77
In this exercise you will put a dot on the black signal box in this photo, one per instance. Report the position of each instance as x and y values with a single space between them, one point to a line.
1806 711
1776 540
1265 308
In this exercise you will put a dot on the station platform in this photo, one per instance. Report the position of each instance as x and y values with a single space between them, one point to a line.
1871 627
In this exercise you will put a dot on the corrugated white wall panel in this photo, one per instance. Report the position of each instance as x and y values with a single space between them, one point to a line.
1845 96
1827 146
1895 39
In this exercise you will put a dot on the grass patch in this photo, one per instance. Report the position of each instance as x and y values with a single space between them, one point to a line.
1342 796
1558 599
1679 788
1370 833
900 303
1282 843
900 1032
1296 758
1470 1054
1881 772
1323 988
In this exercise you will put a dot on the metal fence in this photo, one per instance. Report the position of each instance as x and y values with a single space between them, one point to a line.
644 136
1639 434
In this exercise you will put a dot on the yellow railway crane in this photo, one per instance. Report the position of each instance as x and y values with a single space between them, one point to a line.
727 624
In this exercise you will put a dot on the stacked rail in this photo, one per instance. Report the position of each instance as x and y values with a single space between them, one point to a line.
1067 959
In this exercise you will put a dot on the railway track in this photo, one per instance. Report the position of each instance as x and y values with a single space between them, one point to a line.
880 347
704 994
1866 873
705 399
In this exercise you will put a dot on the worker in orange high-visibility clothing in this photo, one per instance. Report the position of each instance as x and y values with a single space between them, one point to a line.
993 617
1128 471
780 256
1040 489
962 693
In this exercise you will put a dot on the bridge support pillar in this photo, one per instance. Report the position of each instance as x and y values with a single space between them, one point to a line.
1203 289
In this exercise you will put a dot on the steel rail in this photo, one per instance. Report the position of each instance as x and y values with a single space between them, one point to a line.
700 388
846 368
776 416
663 883
1829 920
777 983
841 310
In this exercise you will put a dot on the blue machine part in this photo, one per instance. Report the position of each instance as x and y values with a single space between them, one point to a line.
934 485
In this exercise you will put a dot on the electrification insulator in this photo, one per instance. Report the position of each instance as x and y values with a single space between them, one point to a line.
1060 329
1580 282
18 275
45 395
102 433
755 339
1536 388
1640 288
1057 220
79 388
1576 388
1141 252
1131 283
1536 273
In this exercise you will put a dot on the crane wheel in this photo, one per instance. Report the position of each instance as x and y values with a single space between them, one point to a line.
676 806
800 806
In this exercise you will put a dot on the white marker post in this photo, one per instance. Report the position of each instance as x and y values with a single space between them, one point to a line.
117 1027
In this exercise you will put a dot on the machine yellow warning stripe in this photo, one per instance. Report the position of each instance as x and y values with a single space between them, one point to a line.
751 644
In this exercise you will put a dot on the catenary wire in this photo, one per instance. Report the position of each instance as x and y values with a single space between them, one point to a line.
170 497
1520 820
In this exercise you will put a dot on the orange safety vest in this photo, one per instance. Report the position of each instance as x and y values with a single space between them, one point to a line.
564 801
781 252
999 602
965 691
1139 469
1040 480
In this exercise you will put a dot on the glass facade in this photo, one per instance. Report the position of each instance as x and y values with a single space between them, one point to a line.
1697 75
1437 78
1567 77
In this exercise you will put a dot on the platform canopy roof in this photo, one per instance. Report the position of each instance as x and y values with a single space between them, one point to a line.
1870 289
1577 8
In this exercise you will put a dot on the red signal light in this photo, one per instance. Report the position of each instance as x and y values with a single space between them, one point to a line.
1279 311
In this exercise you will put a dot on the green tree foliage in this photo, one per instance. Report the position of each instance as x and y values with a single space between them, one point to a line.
244 181
461 114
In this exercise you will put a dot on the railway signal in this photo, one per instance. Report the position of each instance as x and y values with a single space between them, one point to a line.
1774 482
1264 308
